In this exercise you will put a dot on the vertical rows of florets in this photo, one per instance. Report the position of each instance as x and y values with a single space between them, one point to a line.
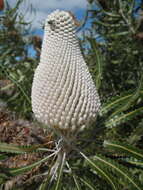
63 93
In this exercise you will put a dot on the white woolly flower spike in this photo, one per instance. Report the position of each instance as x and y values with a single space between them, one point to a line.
64 96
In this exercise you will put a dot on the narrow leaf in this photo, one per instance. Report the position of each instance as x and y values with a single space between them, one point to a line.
86 183
76 183
11 148
117 101
127 149
122 118
21 170
119 169
60 172
100 171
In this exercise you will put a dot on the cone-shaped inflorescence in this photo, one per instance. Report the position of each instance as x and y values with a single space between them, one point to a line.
64 96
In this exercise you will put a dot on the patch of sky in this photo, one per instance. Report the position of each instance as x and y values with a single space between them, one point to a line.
31 51
80 14
137 8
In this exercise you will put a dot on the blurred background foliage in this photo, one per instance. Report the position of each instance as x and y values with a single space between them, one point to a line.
16 66
112 45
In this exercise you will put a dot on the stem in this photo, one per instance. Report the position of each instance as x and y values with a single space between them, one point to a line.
60 159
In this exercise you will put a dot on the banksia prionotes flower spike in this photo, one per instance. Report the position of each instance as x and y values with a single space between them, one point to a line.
64 96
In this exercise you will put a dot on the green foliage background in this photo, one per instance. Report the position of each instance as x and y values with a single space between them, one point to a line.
113 147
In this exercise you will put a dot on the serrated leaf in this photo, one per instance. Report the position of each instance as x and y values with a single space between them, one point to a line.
11 148
100 171
122 118
118 101
99 64
21 170
128 150
114 166
133 161
130 101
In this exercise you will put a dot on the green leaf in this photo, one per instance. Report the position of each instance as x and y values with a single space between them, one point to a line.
3 176
99 64
118 169
122 118
58 183
130 101
87 184
133 161
21 170
3 157
100 171
76 182
117 101
136 134
12 77
43 186
11 148
126 149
